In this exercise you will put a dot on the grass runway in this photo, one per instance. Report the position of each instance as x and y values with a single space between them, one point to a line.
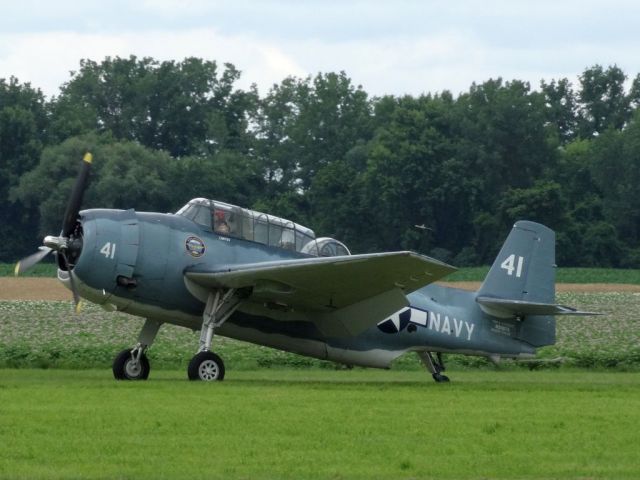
298 424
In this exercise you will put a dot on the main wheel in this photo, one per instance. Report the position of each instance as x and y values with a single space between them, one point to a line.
124 368
206 366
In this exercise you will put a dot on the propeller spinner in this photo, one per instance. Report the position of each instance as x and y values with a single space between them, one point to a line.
69 244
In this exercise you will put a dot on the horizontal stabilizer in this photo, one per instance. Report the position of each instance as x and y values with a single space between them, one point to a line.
503 307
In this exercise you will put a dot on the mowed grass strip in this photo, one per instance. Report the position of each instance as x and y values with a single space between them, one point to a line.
320 424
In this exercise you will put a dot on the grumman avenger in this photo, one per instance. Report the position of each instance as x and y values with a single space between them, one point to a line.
235 272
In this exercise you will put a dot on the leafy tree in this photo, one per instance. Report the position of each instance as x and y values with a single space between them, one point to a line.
543 202
604 103
227 176
319 151
123 175
561 108
502 143
503 135
409 176
601 246
335 199
23 129
615 167
185 108
305 124
582 205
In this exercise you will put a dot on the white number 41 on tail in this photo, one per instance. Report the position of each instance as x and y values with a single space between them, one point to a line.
512 263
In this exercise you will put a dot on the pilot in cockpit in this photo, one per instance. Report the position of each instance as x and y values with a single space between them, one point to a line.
220 224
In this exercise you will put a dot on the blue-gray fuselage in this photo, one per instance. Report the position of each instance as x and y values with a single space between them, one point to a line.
135 262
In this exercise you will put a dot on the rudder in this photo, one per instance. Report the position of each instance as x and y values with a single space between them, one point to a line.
525 269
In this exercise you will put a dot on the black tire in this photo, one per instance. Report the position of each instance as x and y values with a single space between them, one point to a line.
206 366
439 378
123 367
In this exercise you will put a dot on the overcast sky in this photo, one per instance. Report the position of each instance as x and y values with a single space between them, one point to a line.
388 47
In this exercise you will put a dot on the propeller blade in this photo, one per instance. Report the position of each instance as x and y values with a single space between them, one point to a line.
30 261
73 207
74 290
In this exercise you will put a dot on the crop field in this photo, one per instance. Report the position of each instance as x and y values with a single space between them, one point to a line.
47 334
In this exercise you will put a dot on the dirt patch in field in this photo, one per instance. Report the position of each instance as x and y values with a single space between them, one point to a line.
33 288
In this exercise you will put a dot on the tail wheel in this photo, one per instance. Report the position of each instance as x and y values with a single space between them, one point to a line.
206 366
125 368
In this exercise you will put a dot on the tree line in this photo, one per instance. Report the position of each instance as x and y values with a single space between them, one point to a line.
370 171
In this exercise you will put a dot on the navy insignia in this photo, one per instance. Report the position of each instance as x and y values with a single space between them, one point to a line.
195 246
397 322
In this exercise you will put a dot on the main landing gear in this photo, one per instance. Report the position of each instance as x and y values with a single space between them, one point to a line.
434 365
205 365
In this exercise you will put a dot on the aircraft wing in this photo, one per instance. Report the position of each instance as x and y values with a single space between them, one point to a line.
325 284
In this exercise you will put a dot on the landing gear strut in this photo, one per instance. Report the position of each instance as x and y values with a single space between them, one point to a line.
133 364
206 365
434 365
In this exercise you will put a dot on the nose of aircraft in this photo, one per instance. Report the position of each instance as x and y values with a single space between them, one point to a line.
95 267
109 253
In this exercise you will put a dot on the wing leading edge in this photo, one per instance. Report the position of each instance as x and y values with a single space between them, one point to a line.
325 284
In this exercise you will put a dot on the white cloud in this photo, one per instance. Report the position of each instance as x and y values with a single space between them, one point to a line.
408 47
45 59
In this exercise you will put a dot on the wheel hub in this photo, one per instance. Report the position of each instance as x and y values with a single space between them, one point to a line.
132 369
208 370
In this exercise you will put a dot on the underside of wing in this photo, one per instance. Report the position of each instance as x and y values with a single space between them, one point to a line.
325 283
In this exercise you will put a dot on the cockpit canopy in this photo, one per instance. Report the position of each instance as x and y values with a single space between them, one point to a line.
237 222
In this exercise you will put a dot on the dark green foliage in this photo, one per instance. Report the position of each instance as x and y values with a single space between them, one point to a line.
125 174
604 101
320 151
185 108
23 122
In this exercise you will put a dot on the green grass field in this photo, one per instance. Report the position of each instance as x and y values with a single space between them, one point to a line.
320 424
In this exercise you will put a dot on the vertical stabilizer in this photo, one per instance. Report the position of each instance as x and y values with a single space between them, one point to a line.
525 269
521 284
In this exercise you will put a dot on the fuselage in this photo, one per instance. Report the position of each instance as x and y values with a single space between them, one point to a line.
135 262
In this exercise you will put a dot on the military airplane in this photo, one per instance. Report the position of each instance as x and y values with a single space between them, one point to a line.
239 273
